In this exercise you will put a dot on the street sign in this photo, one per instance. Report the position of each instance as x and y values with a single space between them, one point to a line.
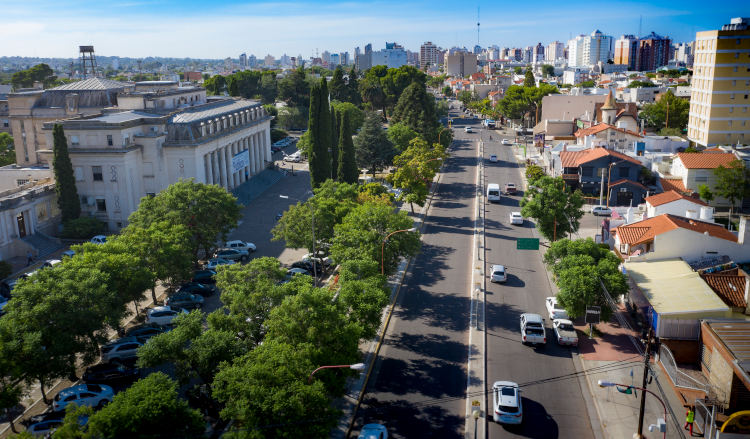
527 244
592 314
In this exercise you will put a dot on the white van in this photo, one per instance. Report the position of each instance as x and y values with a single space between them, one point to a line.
493 192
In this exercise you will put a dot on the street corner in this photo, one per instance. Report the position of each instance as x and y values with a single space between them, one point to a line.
611 342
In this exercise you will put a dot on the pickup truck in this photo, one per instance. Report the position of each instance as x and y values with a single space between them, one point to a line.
532 329
565 332
554 310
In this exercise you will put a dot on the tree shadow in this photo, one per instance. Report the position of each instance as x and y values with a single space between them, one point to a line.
437 346
447 311
431 259
405 419
500 316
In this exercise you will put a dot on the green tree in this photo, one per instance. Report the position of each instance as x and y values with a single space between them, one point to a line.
7 150
363 229
415 168
292 118
39 73
319 127
11 375
528 80
215 85
705 193
356 116
465 97
337 86
65 183
588 83
401 135
447 91
372 93
555 209
416 109
732 183
347 170
641 84
352 85
208 212
334 150
669 106
534 173
269 88
517 70
515 103
372 148
294 89
547 70
151 408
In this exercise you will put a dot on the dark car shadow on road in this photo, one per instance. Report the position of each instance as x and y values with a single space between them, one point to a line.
405 419
537 423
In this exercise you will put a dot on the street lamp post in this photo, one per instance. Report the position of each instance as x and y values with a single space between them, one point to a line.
382 247
605 383
314 253
356 366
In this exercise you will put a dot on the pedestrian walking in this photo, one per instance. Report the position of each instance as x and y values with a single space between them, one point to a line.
29 258
689 418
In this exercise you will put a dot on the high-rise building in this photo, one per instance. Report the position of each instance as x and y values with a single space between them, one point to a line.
625 51
344 58
326 57
243 60
684 53
269 61
597 47
333 60
477 49
528 54
252 61
363 61
460 64
653 52
720 90
393 56
428 55
537 53
554 51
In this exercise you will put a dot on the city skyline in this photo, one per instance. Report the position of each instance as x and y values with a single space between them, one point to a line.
42 28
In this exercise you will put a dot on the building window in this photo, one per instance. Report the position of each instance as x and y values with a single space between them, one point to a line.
731 109
731 96
737 54
729 123
97 171
110 142
74 140
21 182
78 171
734 83
101 205
701 178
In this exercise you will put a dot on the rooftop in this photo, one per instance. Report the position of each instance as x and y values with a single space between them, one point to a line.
645 231
673 184
602 127
573 159
736 337
669 196
712 160
92 84
210 110
730 287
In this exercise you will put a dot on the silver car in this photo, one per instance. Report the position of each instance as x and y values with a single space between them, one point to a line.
498 274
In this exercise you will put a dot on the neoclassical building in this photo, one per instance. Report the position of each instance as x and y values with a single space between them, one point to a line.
158 134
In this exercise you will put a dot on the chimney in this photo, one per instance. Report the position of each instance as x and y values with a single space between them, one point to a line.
743 235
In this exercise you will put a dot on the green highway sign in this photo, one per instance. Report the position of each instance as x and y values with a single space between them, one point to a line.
527 244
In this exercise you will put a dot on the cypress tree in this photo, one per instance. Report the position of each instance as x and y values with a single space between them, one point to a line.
335 127
347 170
528 80
416 109
65 182
353 86
319 126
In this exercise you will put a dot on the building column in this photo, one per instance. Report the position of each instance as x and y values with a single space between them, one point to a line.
214 167
266 146
209 170
253 158
258 158
235 150
227 167
242 171
220 164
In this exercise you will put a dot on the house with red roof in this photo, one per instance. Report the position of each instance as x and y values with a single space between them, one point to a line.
587 169
697 168
676 203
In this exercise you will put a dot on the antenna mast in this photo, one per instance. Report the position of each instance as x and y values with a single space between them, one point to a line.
477 25
640 24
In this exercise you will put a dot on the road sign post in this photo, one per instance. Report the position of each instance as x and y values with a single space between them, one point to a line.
527 244
593 314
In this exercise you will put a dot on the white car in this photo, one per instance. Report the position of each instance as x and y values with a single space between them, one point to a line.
295 158
498 274
240 245
554 310
601 210
49 263
373 431
121 349
93 395
493 158
215 262
516 218
532 329
505 142
99 239
468 130
506 402
163 315
565 332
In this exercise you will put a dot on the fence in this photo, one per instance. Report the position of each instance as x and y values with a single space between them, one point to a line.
678 377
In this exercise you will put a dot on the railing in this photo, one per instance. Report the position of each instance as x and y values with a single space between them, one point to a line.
678 377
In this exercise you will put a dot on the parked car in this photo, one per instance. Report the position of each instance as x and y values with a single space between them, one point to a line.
163 315
144 332
240 245
601 210
532 329
46 416
516 218
94 395
49 263
554 310
505 142
294 158
493 158
204 277
111 373
44 428
292 271
185 300
468 130
6 287
202 289
309 266
215 262
99 239
373 431
68 253
565 332
506 402
325 261
232 254
510 188
498 274
120 349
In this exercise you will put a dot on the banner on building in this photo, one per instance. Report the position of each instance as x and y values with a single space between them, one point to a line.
539 140
240 160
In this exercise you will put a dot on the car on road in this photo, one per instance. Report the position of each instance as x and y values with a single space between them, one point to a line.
232 254
468 130
202 289
44 428
493 158
185 300
373 431
93 395
294 271
532 329
68 253
493 192
99 239
49 263
516 218
325 261
554 310
510 188
294 158
111 373
121 349
240 245
309 266
204 277
505 142
215 262
506 402
163 315
498 274
601 210
565 332
143 332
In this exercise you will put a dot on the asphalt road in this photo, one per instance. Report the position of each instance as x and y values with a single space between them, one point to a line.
552 409
418 385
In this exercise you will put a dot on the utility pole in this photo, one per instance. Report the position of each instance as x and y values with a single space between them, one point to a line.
646 358
667 122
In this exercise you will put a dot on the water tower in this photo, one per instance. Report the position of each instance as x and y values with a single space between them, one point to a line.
87 61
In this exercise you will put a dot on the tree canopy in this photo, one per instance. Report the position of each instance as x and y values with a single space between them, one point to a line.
556 210
39 73
676 109
65 183
416 109
372 148
320 135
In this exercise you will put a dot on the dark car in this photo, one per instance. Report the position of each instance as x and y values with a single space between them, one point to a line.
185 300
201 289
46 416
309 266
144 332
108 373
204 277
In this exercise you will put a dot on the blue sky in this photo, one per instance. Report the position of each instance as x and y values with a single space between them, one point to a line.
222 28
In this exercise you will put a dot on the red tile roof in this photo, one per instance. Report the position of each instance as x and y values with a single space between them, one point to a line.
601 127
697 160
574 159
569 159
673 184
630 182
729 287
713 150
646 230
669 196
